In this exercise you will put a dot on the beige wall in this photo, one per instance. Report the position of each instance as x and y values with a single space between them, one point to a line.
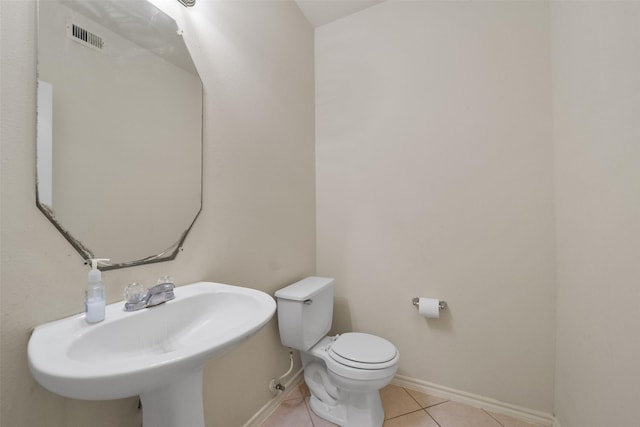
256 229
434 178
596 79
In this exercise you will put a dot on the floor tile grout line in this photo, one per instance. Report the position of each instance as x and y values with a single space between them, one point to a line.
419 404
436 404
494 418
413 412
431 416
308 411
414 399
422 408
306 405
407 413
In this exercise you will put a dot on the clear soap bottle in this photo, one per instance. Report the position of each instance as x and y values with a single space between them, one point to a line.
95 295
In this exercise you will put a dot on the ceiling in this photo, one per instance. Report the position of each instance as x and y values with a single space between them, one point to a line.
320 12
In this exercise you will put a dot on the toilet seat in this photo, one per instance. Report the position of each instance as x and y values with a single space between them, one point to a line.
363 351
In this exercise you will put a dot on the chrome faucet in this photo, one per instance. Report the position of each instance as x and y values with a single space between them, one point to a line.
136 298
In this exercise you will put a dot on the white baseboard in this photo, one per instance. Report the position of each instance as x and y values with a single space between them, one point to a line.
273 404
519 412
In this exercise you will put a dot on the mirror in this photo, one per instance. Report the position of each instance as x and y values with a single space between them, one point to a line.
119 129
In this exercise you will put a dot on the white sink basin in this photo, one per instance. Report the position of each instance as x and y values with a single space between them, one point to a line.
157 353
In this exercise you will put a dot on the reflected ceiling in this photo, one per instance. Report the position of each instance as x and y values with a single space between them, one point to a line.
320 12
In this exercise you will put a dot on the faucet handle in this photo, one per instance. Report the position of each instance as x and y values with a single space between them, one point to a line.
135 297
165 279
134 292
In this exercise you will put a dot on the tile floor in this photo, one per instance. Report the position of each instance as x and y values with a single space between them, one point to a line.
402 407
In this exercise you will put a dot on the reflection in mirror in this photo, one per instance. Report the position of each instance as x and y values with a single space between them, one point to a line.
119 129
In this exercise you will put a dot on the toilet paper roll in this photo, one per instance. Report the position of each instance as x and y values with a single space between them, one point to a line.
429 307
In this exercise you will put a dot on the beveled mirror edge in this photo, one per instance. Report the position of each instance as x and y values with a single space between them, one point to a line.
172 251
77 245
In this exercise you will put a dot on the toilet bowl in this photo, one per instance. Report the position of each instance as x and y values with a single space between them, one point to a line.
345 372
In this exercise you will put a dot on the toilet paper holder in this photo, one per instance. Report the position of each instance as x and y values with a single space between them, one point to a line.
442 305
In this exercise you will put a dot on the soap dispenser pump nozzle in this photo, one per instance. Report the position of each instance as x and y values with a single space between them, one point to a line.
95 275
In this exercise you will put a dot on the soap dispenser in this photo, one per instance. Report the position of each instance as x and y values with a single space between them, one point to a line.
95 298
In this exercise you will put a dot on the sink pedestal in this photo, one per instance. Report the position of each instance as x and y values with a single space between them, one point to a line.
178 404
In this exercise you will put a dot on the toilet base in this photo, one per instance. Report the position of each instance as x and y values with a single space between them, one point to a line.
334 414
363 409
358 410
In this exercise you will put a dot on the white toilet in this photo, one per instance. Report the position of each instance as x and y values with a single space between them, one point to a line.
344 373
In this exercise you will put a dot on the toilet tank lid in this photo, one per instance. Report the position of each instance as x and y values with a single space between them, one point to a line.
305 288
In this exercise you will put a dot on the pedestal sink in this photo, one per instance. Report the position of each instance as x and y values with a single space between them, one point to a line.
157 353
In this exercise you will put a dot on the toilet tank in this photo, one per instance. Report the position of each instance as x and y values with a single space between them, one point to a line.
305 312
